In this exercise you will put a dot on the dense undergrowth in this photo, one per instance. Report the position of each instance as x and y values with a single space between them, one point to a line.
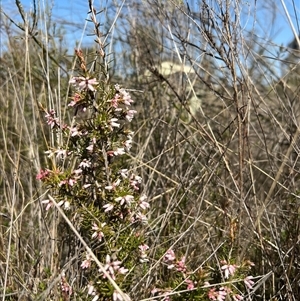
159 163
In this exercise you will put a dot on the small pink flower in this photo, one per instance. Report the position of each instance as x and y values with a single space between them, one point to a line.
119 152
130 114
135 181
219 295
48 203
190 284
113 266
212 294
85 164
128 144
75 132
87 262
113 123
108 207
124 173
70 182
51 119
92 292
98 233
143 255
222 293
84 83
65 203
90 148
91 289
140 217
249 282
43 174
76 98
126 98
180 265
229 269
142 203
143 247
65 286
127 199
113 186
122 270
170 255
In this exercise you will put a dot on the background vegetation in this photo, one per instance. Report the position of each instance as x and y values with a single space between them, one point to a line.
216 142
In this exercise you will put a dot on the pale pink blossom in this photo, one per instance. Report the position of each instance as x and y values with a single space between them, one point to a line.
114 102
66 288
124 173
48 203
91 290
75 100
43 174
219 295
190 284
180 265
52 120
108 207
143 255
90 148
142 203
98 231
113 266
114 185
87 262
84 83
75 132
65 203
170 255
113 123
85 163
61 153
119 151
117 296
71 182
126 98
128 144
140 217
130 114
127 199
206 284
249 282
135 181
229 269
77 172
122 270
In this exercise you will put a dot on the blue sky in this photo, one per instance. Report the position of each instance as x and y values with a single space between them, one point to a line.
73 12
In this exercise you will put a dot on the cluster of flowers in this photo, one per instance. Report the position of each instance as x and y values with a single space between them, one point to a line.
215 292
229 270
179 266
83 173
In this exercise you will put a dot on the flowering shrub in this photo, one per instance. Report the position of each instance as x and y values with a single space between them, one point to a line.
87 177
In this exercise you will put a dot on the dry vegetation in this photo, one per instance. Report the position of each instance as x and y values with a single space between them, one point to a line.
216 143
